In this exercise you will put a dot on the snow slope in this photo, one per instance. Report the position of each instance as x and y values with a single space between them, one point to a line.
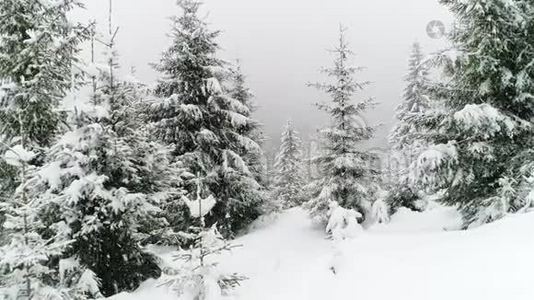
412 258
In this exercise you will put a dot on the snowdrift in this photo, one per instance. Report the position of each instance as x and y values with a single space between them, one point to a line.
417 256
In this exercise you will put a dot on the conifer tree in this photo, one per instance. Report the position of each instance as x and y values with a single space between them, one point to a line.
25 272
105 181
208 128
87 180
38 47
483 138
198 276
405 138
289 179
346 169
38 51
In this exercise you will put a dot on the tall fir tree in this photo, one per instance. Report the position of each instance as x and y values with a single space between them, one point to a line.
406 138
346 170
482 155
289 178
208 128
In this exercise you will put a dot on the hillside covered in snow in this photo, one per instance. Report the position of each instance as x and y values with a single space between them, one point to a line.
417 256
118 187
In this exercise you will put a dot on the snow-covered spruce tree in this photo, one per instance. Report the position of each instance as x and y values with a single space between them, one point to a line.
38 46
198 277
346 169
484 136
196 114
289 179
104 180
26 268
405 138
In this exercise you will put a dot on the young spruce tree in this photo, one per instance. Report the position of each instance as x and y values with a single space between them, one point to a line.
198 276
406 138
27 270
206 126
289 179
482 157
346 169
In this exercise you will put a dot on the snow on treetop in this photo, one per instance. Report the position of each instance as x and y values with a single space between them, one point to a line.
15 155
200 207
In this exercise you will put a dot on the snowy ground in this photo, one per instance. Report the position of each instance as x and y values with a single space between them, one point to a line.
414 257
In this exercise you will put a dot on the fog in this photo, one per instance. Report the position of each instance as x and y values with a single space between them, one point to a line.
282 44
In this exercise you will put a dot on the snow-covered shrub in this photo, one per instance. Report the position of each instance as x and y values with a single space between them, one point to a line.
343 223
380 209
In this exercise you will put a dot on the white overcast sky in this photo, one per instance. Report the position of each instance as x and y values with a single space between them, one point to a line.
282 44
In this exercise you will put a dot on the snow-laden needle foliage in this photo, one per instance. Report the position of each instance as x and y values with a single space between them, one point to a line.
38 45
483 138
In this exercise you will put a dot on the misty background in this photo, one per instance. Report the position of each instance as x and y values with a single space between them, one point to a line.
282 44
